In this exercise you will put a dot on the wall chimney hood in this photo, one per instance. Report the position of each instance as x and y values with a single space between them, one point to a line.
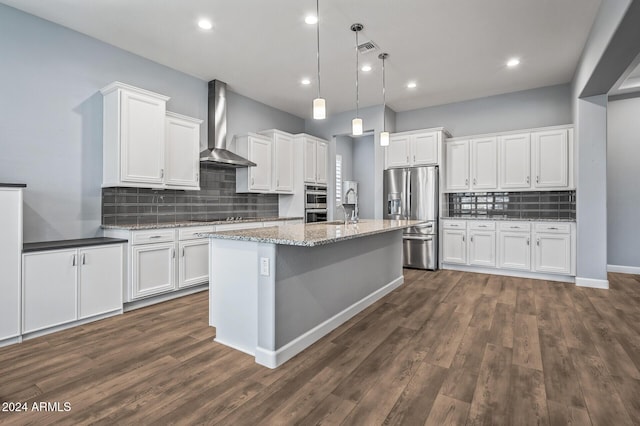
217 135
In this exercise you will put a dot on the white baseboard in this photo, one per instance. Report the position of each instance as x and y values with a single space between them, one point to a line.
10 341
592 283
635 270
60 327
231 345
273 359
152 300
510 273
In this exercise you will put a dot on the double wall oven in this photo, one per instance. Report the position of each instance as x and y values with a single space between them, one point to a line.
315 204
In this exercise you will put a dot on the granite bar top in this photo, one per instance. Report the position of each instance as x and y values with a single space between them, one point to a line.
506 219
198 223
13 185
313 234
65 244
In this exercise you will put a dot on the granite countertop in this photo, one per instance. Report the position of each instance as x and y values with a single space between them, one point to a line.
65 244
313 234
505 219
13 185
197 223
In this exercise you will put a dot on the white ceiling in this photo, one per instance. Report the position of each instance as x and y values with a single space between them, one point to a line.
454 49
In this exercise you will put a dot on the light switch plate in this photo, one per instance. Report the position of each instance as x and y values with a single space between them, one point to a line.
264 266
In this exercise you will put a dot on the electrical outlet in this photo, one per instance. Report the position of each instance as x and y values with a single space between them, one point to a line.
264 266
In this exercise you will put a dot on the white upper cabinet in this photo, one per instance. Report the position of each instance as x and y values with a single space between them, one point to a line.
315 153
283 163
457 166
484 164
142 145
182 151
259 149
515 161
550 158
414 148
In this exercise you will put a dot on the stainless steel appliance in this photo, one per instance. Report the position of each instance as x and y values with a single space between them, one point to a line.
412 193
315 204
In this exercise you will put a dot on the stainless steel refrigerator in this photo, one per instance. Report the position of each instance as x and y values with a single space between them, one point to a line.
412 193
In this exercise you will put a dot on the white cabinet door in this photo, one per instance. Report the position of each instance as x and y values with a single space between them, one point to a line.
142 138
515 161
482 248
455 246
398 151
425 149
484 164
49 289
182 152
515 250
260 152
322 160
553 253
100 284
10 254
283 164
152 269
550 159
457 166
194 262
309 160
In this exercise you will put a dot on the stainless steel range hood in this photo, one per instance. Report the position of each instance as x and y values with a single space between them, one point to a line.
217 147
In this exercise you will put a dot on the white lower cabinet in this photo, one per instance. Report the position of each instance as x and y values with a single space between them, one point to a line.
152 269
510 247
482 245
455 246
194 262
61 286
10 259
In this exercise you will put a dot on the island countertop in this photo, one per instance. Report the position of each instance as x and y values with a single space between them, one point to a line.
314 234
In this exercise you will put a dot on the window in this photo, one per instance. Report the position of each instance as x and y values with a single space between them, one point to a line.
338 180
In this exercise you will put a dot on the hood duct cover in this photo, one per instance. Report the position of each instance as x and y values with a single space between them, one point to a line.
217 131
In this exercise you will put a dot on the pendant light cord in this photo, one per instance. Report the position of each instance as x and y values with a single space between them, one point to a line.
318 41
357 65
384 99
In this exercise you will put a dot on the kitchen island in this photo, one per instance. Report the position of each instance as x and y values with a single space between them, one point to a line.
275 291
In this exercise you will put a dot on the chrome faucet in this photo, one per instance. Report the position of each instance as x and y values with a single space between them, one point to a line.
344 212
354 215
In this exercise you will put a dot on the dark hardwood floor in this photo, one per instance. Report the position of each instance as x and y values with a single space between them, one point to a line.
445 348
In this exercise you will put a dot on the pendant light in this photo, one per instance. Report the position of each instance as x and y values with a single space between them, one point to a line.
356 123
319 104
384 135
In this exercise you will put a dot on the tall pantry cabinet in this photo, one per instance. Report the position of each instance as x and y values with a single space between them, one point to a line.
10 252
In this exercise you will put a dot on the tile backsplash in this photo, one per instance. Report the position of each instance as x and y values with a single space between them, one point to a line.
217 199
523 205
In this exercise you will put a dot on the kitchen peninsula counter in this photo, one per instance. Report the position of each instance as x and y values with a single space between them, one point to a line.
275 291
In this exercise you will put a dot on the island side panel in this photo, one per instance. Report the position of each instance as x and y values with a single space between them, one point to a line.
314 284
233 293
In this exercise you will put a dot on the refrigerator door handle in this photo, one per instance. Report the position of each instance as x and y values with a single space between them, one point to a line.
411 237
407 191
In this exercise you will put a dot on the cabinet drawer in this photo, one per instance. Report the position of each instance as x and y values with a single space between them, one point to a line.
233 226
192 232
552 227
482 225
515 226
152 236
454 224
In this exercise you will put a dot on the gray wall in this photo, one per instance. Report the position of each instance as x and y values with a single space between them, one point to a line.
590 120
545 106
623 176
51 118
364 172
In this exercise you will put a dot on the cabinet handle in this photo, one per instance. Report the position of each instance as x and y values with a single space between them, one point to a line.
482 226
407 159
73 261
155 236
278 183
472 238
463 238
475 181
538 242
514 227
527 241
537 179
414 158
173 253
197 177
466 181
182 251
253 181
162 173
84 258
553 227
527 179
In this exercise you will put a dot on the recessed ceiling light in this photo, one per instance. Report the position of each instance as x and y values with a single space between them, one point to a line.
205 24
412 85
513 62
311 19
305 81
366 68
